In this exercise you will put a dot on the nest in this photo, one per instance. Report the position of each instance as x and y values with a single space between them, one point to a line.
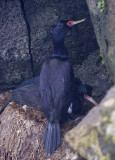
21 134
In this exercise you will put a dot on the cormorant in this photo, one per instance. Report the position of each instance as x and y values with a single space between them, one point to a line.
56 87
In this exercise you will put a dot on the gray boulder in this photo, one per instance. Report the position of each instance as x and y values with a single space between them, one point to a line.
94 137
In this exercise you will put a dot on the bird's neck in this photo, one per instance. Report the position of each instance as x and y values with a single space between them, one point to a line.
60 50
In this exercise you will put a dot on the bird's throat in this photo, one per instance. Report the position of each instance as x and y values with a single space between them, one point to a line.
60 51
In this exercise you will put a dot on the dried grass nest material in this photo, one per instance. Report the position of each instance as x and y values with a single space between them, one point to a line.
21 134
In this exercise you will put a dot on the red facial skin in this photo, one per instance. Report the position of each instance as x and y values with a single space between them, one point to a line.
69 23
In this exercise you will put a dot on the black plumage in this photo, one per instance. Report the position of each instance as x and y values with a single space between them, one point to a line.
56 80
56 88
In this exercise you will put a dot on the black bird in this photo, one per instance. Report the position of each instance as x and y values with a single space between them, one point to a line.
56 87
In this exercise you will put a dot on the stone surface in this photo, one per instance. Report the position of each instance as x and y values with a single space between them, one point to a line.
104 26
94 137
15 62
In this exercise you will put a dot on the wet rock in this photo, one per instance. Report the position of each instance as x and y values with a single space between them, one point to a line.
104 26
94 136
15 60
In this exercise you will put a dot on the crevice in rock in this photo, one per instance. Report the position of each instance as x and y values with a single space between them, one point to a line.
29 34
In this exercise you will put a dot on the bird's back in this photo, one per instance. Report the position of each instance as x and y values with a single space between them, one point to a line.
56 80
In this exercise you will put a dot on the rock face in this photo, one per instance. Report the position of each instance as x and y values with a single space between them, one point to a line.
15 62
94 137
26 36
104 26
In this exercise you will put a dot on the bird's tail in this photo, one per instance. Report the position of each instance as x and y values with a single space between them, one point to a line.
52 138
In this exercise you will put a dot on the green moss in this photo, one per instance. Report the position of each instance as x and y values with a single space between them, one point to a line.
102 62
102 5
101 55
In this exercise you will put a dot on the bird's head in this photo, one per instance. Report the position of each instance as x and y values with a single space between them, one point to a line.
62 28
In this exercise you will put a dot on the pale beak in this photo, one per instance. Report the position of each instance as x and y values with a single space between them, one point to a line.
72 23
79 21
90 99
